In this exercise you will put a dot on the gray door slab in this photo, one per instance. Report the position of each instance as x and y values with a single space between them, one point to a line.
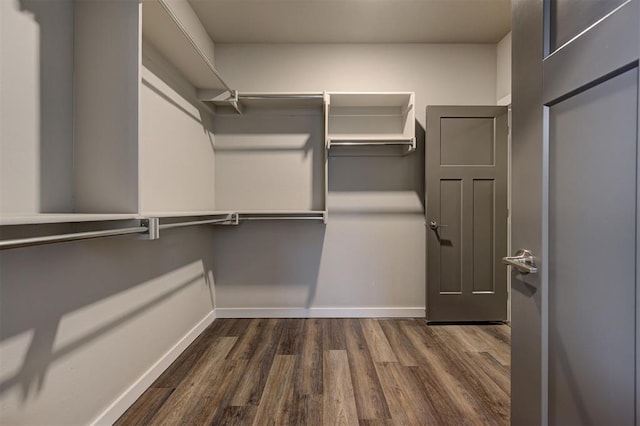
575 205
466 162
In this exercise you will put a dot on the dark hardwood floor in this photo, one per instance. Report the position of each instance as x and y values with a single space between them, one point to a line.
334 372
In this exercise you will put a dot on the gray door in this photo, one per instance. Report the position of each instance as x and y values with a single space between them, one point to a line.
575 206
466 163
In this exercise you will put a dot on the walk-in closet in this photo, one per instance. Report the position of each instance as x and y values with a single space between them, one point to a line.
214 212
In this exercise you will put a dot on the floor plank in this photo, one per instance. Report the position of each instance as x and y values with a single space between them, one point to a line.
403 395
400 344
278 391
255 377
199 384
369 396
339 404
334 372
143 410
309 372
376 340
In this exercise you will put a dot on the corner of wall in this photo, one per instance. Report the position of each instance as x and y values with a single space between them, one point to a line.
129 396
503 70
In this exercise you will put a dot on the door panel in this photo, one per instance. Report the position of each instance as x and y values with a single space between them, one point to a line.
575 205
450 245
568 18
592 206
575 67
484 261
466 194
466 141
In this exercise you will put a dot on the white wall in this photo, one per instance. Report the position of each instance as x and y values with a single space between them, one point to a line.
36 106
503 71
371 254
440 74
176 156
80 322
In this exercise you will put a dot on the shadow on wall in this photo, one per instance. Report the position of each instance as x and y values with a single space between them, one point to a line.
154 62
378 180
260 257
41 285
379 169
55 24
283 144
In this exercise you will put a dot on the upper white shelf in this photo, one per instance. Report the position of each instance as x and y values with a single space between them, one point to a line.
186 213
370 118
264 102
45 218
174 29
51 218
371 99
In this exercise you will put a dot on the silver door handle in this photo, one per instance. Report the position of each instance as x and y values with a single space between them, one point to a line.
523 261
434 225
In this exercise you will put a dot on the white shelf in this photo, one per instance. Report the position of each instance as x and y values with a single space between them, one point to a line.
49 218
295 103
371 99
257 215
371 117
186 214
175 30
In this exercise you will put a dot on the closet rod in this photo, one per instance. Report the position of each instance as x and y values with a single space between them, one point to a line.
250 96
371 143
197 222
34 241
282 218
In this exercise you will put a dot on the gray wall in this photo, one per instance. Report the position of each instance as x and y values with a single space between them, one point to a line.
36 106
372 252
80 322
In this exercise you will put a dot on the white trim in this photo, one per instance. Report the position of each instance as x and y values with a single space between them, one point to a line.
413 312
129 396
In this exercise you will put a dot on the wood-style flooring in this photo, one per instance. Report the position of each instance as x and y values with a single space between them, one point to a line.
334 372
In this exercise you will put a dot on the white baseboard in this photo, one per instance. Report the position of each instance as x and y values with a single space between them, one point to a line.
129 396
415 312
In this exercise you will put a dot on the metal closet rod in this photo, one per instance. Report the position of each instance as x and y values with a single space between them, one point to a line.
242 218
35 241
195 222
147 227
372 143
250 96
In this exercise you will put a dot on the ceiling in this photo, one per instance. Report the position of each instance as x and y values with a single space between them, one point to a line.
354 21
